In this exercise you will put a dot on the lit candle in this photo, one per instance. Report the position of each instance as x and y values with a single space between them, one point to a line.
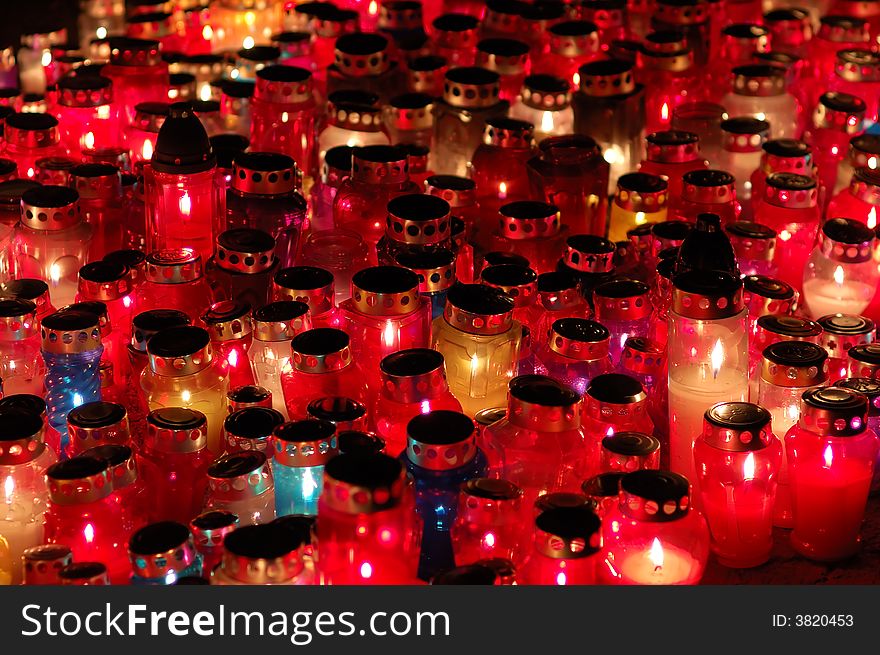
831 454
657 565
708 356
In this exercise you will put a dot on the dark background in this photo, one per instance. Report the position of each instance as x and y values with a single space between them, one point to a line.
19 17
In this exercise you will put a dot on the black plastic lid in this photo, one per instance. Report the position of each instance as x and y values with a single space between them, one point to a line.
77 468
631 444
543 390
214 520
182 146
336 409
708 178
339 158
310 429
113 454
800 354
418 207
469 574
281 310
786 148
178 341
362 470
18 423
492 489
96 414
590 244
847 230
581 329
570 523
750 230
744 125
82 571
303 278
440 427
767 287
496 257
320 341
411 362
707 282
508 275
789 326
556 281
237 88
361 43
659 486
155 320
31 121
268 541
260 53
236 464
604 485
739 416
253 422
642 183
479 299
228 147
157 538
616 388
176 418
846 324
299 527
26 401
103 271
355 442
472 75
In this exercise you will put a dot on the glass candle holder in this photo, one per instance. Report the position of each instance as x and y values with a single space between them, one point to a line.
311 285
185 197
782 156
788 369
173 462
83 515
243 266
185 372
857 72
558 297
835 32
738 458
840 332
707 354
860 199
265 554
249 395
862 152
362 61
708 191
625 452
378 174
438 478
231 328
864 361
671 154
436 273
471 95
836 118
284 115
649 547
209 530
831 455
480 343
366 537
545 102
42 564
275 325
21 367
385 314
790 206
23 464
409 119
509 58
353 119
841 275
250 428
161 553
336 167
71 348
138 74
645 360
497 165
610 106
754 245
322 364
101 201
640 198
487 523
140 135
764 296
613 403
235 106
770 328
570 173
543 428
111 284
871 390
129 490
740 41
341 251
347 414
623 307
263 196
413 382
86 574
533 229
51 241
521 284
30 138
302 448
414 222
567 548
96 423
454 37
666 68
242 483
742 141
759 91
86 116
571 44
590 259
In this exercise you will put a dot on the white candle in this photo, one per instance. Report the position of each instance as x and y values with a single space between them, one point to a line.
844 297
658 564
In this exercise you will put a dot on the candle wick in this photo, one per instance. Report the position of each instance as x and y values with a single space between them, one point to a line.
658 568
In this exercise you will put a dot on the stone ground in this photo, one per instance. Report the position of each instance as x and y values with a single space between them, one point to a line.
787 567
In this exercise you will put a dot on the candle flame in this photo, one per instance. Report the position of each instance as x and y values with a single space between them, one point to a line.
872 218
250 18
749 467
185 204
828 456
640 218
717 358
838 275
373 8
389 337
426 406
547 121
366 570
186 396
205 92
55 272
489 540
88 141
561 579
475 363
207 33
613 155
232 358
656 554
101 32
147 150
664 112
248 42
872 163
46 59
576 79
502 191
89 533
9 488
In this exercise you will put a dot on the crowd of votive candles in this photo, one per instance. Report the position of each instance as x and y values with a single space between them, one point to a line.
451 291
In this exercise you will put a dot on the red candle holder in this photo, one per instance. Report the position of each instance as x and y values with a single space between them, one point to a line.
759 91
94 424
87 118
362 61
284 115
185 196
84 515
831 456
754 245
863 361
666 68
243 266
348 415
614 403
738 459
409 119
354 119
836 119
30 138
624 308
174 280
21 366
321 365
863 152
543 428
251 428
742 141
209 530
129 490
454 36
249 395
771 328
840 332
790 206
533 229
487 524
857 73
310 285
740 41
498 163
86 574
138 74
521 284
590 259
782 156
765 295
567 548
670 155
571 44
367 530
385 314
415 223
558 298
43 564
509 58
654 536
859 201
625 452
243 484
143 130
836 32
413 382
230 325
